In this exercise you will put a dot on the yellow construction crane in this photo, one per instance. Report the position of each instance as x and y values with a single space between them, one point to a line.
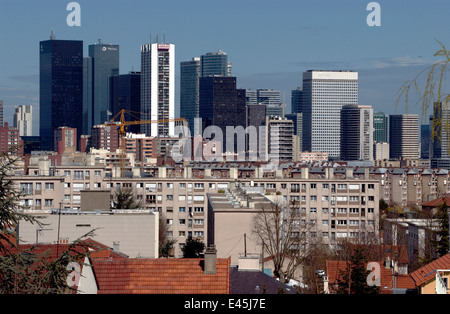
122 124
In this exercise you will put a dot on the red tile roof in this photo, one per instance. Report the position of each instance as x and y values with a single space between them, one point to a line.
438 201
425 273
160 276
387 279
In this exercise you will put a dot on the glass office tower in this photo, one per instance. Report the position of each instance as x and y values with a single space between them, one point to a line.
189 81
60 87
102 63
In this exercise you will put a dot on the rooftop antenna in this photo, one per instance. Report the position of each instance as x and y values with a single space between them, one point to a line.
157 38
52 35
99 41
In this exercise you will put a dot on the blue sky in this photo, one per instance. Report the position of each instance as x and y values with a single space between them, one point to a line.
270 43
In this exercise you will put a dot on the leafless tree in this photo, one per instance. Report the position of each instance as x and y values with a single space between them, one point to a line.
283 233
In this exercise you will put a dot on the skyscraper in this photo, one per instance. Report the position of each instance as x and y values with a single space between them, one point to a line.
404 136
23 120
425 140
1 113
209 64
125 93
296 100
190 72
440 132
380 127
99 66
221 104
60 88
158 88
324 93
356 132
215 63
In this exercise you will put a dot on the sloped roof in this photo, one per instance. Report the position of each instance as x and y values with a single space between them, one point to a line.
425 273
387 279
438 201
256 282
160 276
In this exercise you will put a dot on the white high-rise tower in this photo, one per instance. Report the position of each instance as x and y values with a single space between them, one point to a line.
324 94
158 88
23 120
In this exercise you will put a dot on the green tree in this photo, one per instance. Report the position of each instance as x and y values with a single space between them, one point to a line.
125 199
353 280
24 271
441 243
165 243
193 248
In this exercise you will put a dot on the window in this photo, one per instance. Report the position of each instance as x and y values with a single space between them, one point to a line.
198 209
371 198
199 198
354 210
169 221
342 222
313 210
342 210
67 197
67 173
97 173
354 222
371 186
182 185
370 210
313 198
181 198
354 198
182 221
313 186
341 186
199 185
78 175
49 186
78 186
38 186
169 197
198 234
169 185
198 222
182 233
48 203
325 198
271 186
182 209
26 188
212 185
324 210
325 222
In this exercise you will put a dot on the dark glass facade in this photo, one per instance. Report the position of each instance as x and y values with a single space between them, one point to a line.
125 93
189 91
102 63
221 104
61 88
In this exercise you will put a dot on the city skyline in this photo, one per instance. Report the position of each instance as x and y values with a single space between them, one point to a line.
321 35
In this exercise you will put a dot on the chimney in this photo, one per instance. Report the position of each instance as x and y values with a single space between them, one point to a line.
210 260
305 173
